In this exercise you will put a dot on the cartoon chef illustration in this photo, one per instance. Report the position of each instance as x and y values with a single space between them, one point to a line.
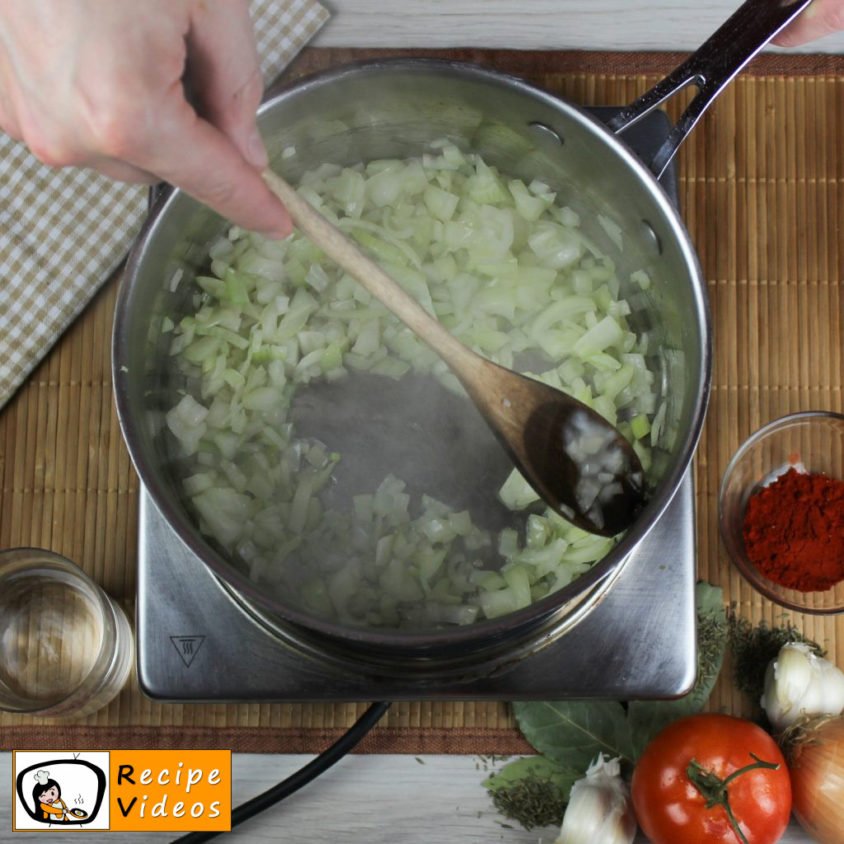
47 795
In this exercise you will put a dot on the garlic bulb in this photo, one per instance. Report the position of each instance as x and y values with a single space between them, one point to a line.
599 807
798 683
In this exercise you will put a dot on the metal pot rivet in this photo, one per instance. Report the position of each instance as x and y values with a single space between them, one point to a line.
650 236
546 129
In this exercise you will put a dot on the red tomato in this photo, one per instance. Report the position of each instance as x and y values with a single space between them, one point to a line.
708 749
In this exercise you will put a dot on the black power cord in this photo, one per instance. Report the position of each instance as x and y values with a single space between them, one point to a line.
303 776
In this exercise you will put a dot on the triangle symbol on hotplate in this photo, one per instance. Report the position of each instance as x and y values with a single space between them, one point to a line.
187 647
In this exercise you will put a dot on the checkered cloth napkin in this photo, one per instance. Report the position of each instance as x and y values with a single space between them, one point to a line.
64 232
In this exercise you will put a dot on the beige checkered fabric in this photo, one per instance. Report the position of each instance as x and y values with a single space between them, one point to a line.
62 233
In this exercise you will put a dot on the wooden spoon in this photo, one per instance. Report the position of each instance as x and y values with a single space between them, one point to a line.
578 463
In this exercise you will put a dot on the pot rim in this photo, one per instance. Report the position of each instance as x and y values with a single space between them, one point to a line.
477 633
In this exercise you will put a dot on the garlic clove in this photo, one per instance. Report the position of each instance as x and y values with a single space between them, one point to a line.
793 674
833 683
585 816
599 808
799 683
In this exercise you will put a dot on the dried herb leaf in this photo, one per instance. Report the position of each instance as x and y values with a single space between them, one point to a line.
537 767
532 791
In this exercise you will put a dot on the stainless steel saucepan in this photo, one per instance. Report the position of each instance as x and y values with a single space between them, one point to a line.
395 109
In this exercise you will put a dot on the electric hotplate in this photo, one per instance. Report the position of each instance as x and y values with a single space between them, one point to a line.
197 642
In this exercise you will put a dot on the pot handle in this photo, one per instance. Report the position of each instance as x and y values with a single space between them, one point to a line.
711 68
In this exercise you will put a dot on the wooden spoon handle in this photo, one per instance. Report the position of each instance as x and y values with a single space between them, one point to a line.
462 360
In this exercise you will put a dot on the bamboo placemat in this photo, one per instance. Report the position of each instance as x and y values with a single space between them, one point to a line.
762 193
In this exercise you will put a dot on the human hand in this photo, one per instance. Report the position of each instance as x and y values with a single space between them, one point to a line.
820 18
98 83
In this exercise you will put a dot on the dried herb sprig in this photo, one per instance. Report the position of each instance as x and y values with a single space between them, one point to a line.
533 802
754 646
711 634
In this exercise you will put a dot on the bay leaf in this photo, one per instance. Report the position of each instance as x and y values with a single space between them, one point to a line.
534 767
573 733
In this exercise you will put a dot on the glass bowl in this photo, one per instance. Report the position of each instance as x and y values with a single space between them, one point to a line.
812 441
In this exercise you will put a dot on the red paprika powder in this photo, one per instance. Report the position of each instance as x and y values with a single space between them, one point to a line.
794 531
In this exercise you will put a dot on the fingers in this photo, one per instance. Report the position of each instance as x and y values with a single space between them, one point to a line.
215 155
122 172
822 17
190 153
222 54
95 84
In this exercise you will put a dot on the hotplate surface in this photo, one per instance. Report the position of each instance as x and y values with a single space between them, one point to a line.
195 643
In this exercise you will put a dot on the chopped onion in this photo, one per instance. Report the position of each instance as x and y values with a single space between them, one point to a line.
508 272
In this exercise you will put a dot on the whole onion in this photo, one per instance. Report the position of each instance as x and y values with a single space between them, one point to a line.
816 752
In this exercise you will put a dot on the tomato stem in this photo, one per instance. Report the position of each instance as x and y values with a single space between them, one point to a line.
713 789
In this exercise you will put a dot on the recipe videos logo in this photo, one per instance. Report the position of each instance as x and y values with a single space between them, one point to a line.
122 790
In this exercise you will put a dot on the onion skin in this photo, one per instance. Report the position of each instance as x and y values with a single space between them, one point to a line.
817 779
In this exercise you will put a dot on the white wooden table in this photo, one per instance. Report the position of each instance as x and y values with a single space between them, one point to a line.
620 25
438 799
364 799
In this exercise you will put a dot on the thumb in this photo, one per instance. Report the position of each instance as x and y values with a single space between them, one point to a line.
223 62
822 17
